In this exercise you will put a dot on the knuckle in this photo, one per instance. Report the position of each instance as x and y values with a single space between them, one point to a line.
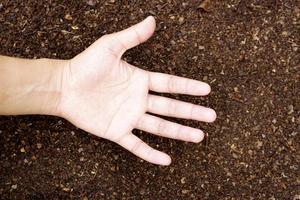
179 133
136 146
161 126
105 37
172 107
170 83
192 108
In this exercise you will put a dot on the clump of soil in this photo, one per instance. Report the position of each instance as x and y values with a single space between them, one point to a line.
247 50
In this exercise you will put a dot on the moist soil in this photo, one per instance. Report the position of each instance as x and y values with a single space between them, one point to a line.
248 50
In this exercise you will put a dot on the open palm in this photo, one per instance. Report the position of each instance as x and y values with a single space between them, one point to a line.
104 95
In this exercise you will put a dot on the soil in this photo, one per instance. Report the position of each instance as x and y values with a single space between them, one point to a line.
248 50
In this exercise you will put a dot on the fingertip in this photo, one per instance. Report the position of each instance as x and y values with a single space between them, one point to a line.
168 161
212 115
207 88
151 21
203 89
150 18
196 136
165 160
200 137
159 158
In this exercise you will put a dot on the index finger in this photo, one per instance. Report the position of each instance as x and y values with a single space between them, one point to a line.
166 83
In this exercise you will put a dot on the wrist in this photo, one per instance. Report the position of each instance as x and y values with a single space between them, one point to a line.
51 92
30 86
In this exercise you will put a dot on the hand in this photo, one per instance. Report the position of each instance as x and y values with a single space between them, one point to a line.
104 95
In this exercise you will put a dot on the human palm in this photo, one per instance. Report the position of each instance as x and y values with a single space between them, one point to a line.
104 95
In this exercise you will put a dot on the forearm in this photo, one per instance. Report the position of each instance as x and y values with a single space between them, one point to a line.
30 86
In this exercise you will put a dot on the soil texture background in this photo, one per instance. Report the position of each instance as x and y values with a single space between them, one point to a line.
248 50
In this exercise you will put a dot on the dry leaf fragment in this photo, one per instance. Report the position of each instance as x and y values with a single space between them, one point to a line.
205 5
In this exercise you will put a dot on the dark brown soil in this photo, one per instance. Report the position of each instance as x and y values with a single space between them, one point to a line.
249 50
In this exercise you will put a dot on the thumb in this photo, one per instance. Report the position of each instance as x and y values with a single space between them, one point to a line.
134 35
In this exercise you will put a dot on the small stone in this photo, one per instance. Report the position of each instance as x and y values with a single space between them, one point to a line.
181 20
138 180
85 198
185 191
172 169
284 33
113 168
234 155
142 192
22 150
182 180
33 158
39 145
296 197
91 2
68 17
116 157
250 152
201 47
291 109
66 189
80 150
259 144
14 187
75 27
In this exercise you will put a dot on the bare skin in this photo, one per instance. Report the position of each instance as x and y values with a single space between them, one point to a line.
102 94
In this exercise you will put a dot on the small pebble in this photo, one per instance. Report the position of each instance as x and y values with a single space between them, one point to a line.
183 180
201 47
259 144
80 150
181 20
185 191
66 189
68 17
14 187
91 2
39 145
